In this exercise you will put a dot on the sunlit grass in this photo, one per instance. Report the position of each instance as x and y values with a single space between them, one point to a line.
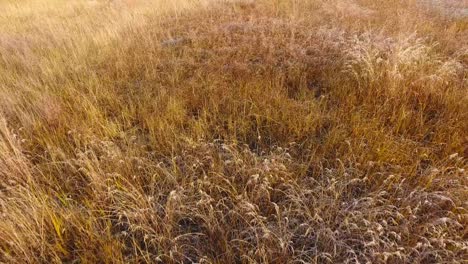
232 131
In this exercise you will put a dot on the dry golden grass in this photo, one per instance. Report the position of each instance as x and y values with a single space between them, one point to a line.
269 131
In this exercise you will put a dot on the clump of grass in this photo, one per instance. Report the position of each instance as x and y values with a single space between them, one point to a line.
232 131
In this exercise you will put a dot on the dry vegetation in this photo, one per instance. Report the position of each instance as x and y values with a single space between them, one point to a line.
270 131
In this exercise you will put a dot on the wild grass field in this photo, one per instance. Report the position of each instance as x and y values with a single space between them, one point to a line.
233 131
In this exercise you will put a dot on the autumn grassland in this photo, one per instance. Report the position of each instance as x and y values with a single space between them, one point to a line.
269 131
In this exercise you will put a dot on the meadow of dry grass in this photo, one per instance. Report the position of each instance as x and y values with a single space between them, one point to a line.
235 131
